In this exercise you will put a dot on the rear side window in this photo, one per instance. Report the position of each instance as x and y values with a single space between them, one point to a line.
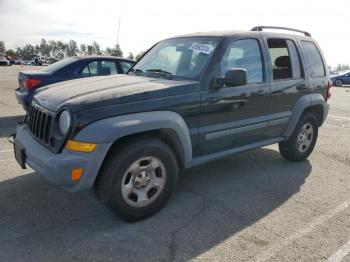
99 68
313 60
284 58
108 68
244 54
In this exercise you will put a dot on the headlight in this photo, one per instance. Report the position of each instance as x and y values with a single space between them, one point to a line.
64 122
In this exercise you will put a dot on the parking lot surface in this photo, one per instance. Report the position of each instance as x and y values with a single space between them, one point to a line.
249 207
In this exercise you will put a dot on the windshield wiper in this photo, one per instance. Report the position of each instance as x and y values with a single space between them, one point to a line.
136 70
158 70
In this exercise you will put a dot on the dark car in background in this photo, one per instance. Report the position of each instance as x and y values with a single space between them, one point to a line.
68 69
342 79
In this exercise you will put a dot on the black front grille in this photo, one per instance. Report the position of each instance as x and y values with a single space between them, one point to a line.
40 123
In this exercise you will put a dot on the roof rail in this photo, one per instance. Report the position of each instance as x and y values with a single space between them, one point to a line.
260 28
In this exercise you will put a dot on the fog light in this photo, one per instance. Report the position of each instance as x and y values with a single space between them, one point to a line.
80 146
77 173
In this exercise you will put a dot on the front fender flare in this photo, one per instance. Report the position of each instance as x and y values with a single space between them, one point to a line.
111 129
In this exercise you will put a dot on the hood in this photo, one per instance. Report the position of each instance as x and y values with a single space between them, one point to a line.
95 92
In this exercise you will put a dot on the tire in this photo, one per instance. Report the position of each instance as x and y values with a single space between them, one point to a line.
137 180
338 83
303 139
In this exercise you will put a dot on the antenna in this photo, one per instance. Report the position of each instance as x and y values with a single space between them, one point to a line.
118 31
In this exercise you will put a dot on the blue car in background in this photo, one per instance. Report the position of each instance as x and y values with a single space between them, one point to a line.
342 79
68 69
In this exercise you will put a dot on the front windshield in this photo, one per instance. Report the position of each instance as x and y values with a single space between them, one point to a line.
183 57
59 64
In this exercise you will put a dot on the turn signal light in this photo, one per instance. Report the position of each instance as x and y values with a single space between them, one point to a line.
80 146
77 173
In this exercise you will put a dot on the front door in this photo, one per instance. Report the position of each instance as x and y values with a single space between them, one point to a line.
236 116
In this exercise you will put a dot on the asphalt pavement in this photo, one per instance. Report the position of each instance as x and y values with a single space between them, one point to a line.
254 206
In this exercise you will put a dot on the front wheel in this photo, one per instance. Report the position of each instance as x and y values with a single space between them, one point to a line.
137 181
302 142
338 83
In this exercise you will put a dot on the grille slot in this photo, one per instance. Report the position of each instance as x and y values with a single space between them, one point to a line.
40 123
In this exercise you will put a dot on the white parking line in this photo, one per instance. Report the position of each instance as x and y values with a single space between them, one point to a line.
340 254
340 117
5 151
273 250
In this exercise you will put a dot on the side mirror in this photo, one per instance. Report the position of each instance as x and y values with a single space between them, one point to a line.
233 77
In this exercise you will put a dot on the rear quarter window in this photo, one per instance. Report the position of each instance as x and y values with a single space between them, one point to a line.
313 59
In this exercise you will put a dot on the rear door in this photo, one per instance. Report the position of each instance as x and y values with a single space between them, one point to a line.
288 82
236 116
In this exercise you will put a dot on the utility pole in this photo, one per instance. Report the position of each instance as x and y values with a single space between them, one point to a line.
118 31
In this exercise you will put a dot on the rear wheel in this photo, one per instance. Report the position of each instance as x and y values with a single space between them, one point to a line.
302 142
137 180
338 83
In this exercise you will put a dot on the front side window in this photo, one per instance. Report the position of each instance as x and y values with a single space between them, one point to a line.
182 57
313 59
244 54
125 65
93 68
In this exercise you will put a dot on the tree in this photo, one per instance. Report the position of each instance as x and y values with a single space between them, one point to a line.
138 56
37 49
28 52
11 53
117 51
72 49
96 48
90 49
343 67
44 48
131 56
19 52
2 47
109 51
83 49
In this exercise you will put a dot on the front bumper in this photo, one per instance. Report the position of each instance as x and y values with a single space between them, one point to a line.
57 168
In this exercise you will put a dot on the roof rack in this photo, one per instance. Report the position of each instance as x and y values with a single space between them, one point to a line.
260 28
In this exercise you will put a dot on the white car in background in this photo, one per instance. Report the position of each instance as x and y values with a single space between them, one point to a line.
4 61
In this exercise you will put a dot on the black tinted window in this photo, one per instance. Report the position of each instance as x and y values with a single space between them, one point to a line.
313 59
244 54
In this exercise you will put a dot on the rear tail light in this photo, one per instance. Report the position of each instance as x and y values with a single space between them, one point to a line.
31 83
329 86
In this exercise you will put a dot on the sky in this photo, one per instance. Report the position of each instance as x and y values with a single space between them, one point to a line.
143 23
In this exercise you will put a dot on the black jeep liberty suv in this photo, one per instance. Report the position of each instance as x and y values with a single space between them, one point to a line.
190 99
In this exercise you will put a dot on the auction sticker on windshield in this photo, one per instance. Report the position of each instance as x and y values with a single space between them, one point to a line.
202 48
